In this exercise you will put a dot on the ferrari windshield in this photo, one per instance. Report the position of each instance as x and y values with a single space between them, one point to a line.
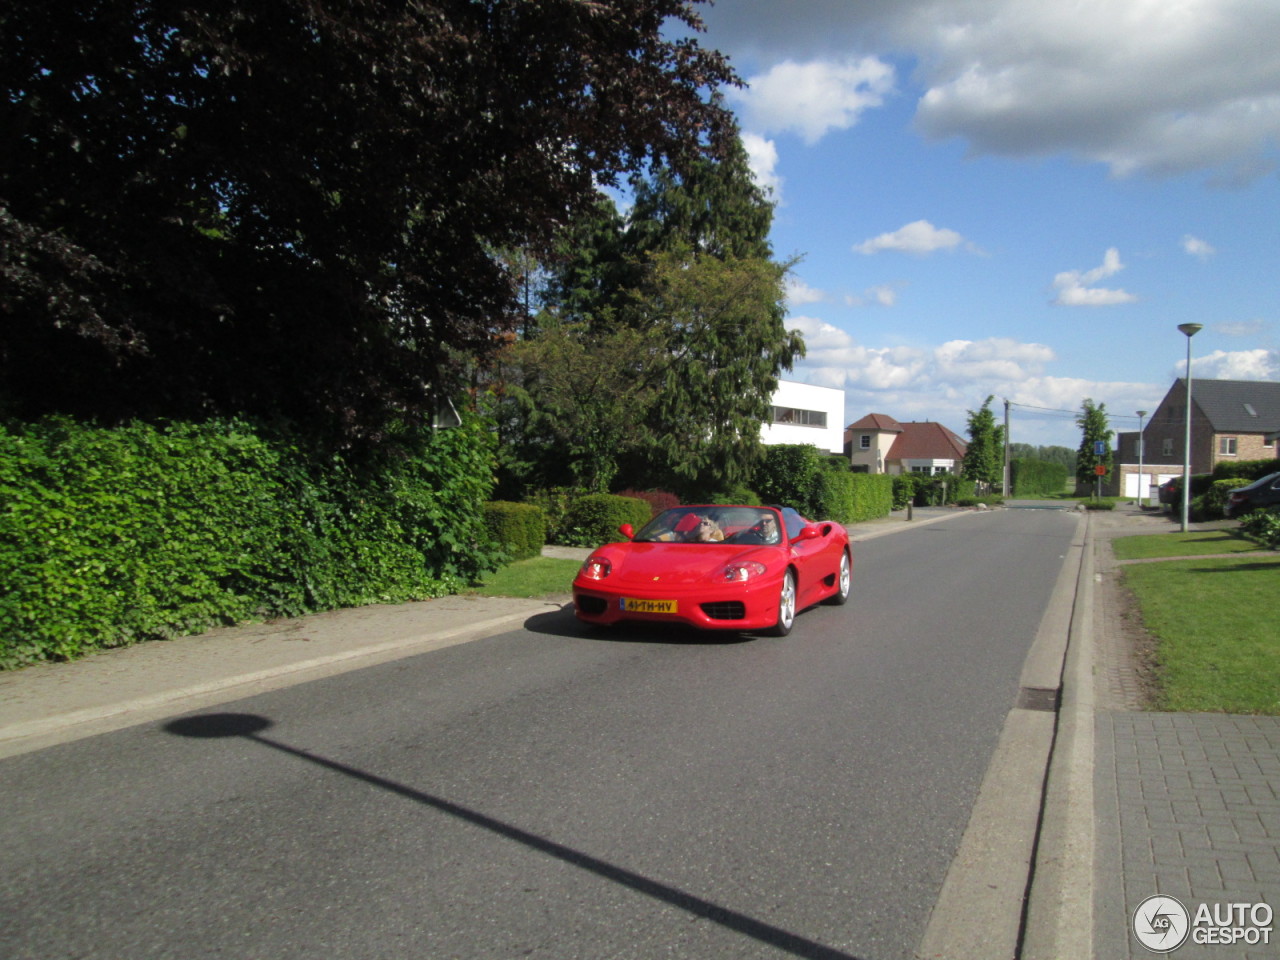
760 525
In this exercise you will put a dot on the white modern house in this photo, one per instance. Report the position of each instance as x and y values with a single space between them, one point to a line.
804 413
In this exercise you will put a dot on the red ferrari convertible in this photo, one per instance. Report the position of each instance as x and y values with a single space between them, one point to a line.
717 567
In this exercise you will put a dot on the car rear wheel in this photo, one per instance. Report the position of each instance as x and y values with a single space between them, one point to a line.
844 580
786 606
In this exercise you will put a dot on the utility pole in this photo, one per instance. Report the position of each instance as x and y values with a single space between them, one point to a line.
1007 471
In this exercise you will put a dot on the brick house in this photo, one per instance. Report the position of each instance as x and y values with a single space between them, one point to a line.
880 444
1230 420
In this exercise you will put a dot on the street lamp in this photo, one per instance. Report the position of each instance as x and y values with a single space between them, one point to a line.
1190 329
1142 476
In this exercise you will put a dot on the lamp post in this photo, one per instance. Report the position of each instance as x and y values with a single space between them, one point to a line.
1142 476
1190 329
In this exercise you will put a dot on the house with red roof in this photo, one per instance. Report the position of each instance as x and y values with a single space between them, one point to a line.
880 444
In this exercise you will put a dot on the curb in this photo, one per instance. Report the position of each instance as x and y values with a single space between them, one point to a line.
24 737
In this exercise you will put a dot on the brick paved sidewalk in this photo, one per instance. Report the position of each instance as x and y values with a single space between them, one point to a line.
1187 805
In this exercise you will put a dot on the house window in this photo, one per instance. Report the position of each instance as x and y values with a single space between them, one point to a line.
1226 446
865 441
1166 448
800 418
916 468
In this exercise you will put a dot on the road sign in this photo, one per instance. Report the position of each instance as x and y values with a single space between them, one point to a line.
1099 448
1100 470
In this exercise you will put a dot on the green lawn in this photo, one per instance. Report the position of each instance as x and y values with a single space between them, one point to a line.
537 577
1215 626
1191 544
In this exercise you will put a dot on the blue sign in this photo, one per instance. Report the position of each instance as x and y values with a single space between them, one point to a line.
1099 448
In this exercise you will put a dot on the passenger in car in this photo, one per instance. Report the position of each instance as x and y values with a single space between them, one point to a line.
706 531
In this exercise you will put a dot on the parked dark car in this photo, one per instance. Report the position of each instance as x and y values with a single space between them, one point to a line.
1258 495
1170 490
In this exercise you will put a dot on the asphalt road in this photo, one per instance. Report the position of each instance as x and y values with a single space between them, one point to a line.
555 792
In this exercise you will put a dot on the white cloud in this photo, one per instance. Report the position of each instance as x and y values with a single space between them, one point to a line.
762 161
881 295
1197 247
800 293
884 294
945 381
997 358
1153 87
845 362
920 237
1075 288
1260 364
812 99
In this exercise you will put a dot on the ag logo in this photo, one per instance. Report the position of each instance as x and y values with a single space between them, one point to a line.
1161 924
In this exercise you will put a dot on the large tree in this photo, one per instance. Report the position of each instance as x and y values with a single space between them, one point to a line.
725 346
296 208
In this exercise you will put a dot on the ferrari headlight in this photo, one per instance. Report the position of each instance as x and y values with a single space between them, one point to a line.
743 571
596 568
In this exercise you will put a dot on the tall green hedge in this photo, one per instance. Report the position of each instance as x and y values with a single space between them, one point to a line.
872 496
1032 478
854 497
111 536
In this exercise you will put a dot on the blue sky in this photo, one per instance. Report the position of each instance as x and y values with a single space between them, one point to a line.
1016 198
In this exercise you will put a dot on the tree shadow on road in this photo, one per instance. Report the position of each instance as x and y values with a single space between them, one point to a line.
245 726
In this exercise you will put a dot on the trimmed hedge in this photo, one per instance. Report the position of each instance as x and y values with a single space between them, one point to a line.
519 528
594 519
1031 478
112 536
854 497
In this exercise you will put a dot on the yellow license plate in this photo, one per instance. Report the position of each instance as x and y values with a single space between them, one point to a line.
632 605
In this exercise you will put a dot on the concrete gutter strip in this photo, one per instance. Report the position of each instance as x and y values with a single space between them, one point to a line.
979 911
1060 910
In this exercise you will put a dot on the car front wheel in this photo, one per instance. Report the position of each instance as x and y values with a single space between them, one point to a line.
844 580
786 606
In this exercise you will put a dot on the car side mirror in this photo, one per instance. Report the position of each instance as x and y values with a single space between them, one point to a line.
809 531
627 531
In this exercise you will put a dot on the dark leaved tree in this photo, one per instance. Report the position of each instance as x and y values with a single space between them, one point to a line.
294 209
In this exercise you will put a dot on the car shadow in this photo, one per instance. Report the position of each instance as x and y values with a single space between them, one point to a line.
563 623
